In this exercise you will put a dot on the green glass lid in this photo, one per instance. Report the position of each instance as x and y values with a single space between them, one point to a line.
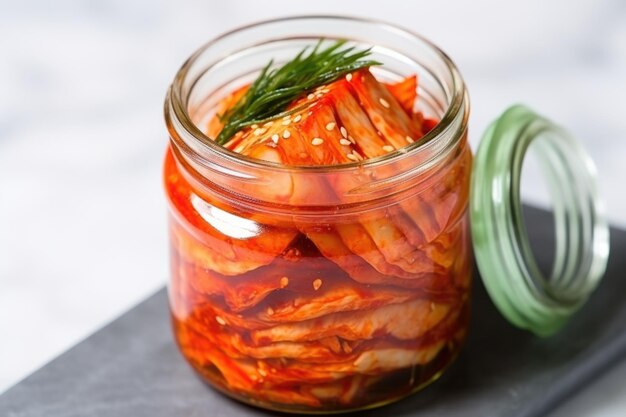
527 297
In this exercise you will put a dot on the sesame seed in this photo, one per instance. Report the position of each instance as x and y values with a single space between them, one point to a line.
384 102
297 118
388 148
254 126
324 90
259 131
275 138
345 142
286 134
317 141
286 117
349 77
317 284
309 113
344 132
352 157
220 320
319 95
311 96
262 372
351 139
286 122
268 124
409 139
284 281
330 126
270 311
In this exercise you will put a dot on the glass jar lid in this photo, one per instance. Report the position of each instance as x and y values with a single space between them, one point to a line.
524 295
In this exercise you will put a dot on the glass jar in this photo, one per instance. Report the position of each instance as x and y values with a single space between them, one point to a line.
318 288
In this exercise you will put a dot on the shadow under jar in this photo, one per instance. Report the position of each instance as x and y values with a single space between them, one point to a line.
318 288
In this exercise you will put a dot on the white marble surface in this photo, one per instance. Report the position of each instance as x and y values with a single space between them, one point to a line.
82 215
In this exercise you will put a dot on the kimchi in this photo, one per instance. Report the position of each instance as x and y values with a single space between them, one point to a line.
322 309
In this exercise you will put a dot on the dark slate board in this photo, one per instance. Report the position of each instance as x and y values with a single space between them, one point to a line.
132 368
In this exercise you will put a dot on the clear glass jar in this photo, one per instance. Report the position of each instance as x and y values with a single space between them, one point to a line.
318 289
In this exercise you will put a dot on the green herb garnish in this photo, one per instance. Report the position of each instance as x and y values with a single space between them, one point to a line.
275 88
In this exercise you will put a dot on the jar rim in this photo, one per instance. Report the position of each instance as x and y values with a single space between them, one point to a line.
178 119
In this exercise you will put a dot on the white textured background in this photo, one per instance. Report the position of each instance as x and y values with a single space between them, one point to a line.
82 215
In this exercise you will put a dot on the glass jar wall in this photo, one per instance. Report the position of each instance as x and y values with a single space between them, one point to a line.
318 289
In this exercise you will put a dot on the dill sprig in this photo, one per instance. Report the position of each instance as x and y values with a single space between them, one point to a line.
275 88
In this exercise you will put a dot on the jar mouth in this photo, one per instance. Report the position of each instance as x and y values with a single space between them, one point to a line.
202 149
